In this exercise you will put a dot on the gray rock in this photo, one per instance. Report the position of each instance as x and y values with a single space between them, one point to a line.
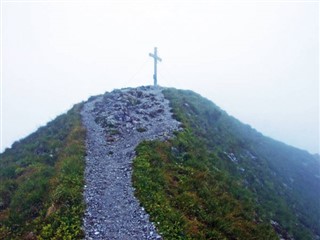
112 211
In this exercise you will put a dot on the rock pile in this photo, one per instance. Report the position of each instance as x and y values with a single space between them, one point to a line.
116 123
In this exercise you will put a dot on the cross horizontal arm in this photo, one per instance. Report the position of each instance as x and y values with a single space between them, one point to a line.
155 57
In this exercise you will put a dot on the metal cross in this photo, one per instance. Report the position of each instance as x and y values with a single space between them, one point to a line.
156 59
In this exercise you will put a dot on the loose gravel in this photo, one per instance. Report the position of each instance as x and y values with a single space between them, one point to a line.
116 123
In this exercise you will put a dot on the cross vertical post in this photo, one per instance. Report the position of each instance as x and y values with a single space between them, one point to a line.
156 59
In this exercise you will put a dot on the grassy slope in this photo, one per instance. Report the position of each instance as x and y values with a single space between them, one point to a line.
189 185
42 180
193 189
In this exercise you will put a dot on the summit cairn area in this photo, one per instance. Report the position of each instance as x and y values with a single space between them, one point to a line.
116 123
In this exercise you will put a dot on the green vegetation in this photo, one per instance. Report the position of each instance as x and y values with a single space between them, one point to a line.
42 181
217 179
189 197
220 179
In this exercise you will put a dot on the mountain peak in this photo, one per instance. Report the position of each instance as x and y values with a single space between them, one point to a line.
151 163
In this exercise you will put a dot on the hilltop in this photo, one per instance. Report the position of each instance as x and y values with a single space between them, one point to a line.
156 163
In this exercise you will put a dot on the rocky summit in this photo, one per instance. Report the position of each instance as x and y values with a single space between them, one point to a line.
116 123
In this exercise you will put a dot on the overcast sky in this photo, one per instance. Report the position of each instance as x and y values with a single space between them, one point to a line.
257 60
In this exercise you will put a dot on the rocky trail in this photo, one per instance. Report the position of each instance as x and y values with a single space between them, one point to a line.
116 123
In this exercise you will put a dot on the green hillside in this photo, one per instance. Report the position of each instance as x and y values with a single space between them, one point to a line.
216 179
41 182
221 179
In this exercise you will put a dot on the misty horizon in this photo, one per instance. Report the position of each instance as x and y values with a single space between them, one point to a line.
257 61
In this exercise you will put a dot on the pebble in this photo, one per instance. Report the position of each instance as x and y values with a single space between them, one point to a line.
111 120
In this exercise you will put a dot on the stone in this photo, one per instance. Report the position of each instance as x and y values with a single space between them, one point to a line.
30 236
112 211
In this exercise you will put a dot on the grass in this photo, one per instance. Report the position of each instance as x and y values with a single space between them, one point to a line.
187 199
42 182
189 185
189 195
193 190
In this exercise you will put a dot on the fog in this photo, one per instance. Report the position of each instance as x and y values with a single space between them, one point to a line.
257 60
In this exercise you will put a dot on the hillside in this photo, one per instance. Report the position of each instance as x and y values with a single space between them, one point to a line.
42 181
216 163
215 178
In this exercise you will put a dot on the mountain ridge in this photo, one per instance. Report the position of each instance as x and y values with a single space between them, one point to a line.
272 156
217 178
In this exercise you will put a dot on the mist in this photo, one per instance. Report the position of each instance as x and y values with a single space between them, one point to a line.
257 60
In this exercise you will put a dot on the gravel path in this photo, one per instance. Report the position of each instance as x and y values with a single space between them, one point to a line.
116 123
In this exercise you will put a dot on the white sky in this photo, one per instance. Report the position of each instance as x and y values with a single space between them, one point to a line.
258 60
